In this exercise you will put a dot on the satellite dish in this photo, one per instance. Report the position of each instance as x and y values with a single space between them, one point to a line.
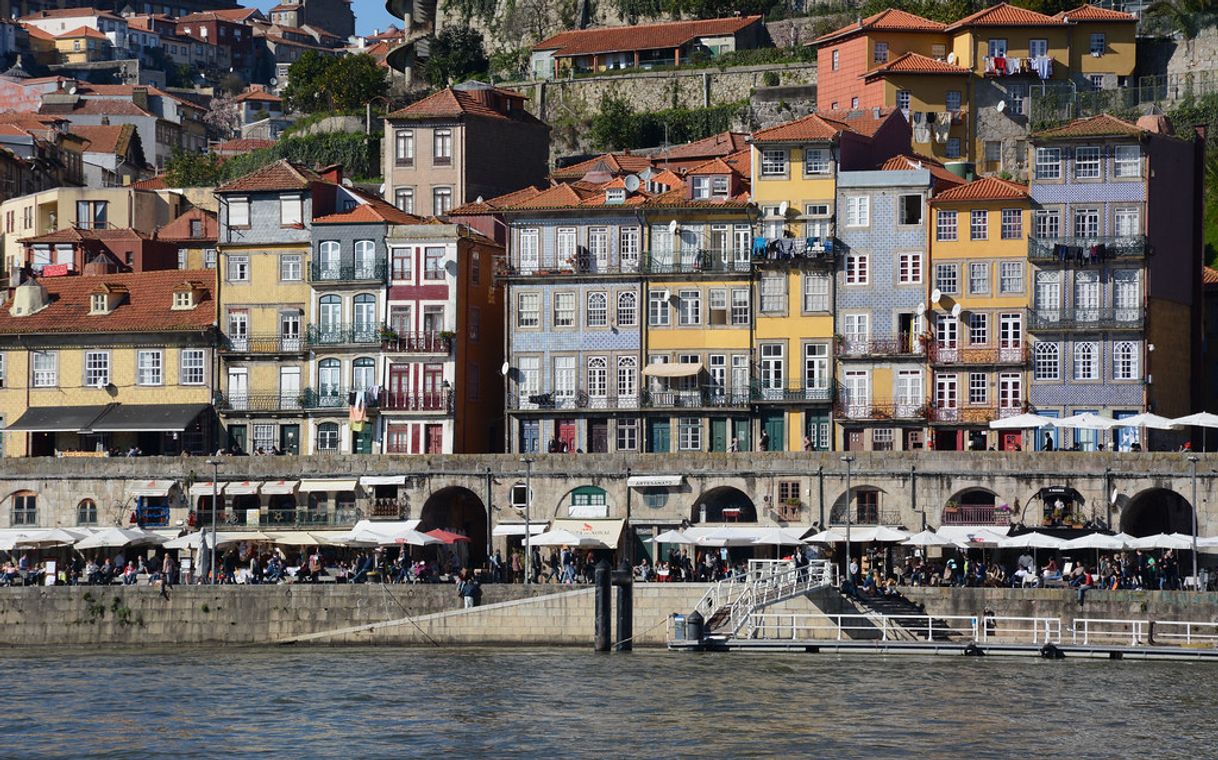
347 182
672 226
935 295
921 307
72 90
783 208
956 311
274 81
381 192
951 58
632 182
504 369
478 199
1002 106
1115 496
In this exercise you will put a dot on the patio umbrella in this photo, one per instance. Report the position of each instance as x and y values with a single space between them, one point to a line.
1096 541
927 538
1087 421
447 537
725 537
779 537
113 538
830 536
1031 540
1201 420
878 534
47 538
1148 420
672 537
1024 421
388 538
562 537
1162 541
201 538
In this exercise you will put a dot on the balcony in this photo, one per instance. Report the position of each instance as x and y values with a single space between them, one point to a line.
973 415
343 335
1086 319
882 410
976 514
707 261
945 356
305 519
865 348
793 394
780 251
433 401
570 400
347 271
263 344
298 401
703 396
1083 251
427 342
583 264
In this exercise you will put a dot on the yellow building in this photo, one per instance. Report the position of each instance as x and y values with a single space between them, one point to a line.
979 297
112 362
82 45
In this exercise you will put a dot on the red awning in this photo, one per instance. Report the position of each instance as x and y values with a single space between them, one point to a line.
447 537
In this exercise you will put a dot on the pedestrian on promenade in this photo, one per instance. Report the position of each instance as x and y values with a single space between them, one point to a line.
167 571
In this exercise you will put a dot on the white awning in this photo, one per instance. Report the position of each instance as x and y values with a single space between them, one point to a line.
278 487
517 529
606 531
150 487
242 488
654 481
382 480
203 488
335 484
673 369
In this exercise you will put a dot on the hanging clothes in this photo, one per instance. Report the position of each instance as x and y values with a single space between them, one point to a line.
921 133
943 125
1000 65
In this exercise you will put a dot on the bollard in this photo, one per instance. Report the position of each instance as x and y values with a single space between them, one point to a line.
623 578
601 613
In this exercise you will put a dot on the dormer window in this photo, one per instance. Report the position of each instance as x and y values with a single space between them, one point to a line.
99 303
183 299
701 188
196 228
616 195
719 186
291 210
657 187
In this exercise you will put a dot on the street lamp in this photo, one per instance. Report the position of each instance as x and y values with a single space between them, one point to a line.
528 531
849 460
215 505
1192 463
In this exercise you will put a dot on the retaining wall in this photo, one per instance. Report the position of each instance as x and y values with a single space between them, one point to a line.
1063 603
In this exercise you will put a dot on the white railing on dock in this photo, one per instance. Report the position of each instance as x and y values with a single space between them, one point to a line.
774 584
1144 632
828 626
1041 630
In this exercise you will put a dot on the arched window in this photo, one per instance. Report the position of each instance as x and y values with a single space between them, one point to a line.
1047 362
627 309
1125 360
86 512
598 309
25 508
627 376
329 379
329 259
330 318
363 373
598 377
1086 361
365 318
327 437
365 260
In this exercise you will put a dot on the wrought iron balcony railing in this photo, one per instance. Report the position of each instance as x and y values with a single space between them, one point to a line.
1083 251
881 410
792 393
1086 319
430 401
264 344
860 348
302 400
347 271
974 415
941 355
426 342
343 335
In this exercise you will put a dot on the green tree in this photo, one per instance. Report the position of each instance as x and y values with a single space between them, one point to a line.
187 169
615 126
457 53
318 82
1184 17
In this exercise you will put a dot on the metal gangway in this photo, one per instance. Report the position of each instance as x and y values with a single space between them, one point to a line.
728 606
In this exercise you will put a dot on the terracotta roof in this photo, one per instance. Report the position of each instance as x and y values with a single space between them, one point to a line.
99 106
152 183
237 14
70 13
279 175
113 138
478 208
1101 125
242 145
984 189
179 229
76 235
823 126
613 163
148 306
372 210
1005 14
942 176
1209 276
451 103
258 95
889 20
1093 13
721 144
670 34
916 63
82 31
714 166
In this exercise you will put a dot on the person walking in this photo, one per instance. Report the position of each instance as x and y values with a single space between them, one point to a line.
167 571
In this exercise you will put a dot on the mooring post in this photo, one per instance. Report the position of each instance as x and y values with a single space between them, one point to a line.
623 578
601 621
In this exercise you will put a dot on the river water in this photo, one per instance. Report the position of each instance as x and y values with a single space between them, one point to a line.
373 702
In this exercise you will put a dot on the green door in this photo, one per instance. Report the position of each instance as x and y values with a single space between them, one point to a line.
238 438
718 434
361 442
741 434
816 429
774 424
657 436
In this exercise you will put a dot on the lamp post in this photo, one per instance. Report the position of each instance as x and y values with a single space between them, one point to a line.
528 531
849 460
215 505
1192 464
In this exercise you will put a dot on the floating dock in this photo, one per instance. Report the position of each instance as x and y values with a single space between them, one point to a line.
951 648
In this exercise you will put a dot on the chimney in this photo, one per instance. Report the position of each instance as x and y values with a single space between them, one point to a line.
139 96
332 173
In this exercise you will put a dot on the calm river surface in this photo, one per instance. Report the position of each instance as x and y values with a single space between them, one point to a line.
362 702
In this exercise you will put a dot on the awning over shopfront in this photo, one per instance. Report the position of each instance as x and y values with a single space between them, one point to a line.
147 418
382 480
973 535
673 369
278 487
242 488
329 484
150 487
654 481
517 529
203 488
58 419
608 532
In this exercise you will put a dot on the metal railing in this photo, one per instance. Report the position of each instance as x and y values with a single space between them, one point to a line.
901 345
1086 318
1042 630
953 355
770 582
581 264
793 393
1087 250
343 335
303 518
1149 632
579 399
976 514
307 398
881 410
434 401
973 415
260 343
346 271
697 262
424 342
702 396
876 626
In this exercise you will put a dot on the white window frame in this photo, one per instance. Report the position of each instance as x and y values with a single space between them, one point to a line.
97 369
1087 162
979 224
858 268
528 310
1010 279
1047 362
858 211
1048 164
150 367
947 228
192 366
1127 167
773 163
44 377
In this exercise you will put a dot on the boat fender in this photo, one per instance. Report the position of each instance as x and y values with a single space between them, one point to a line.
1051 652
972 650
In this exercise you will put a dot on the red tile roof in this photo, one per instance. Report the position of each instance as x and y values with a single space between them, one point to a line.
451 103
372 210
984 189
279 175
612 163
670 34
1005 14
147 307
152 183
1101 125
722 144
1093 13
76 235
179 229
823 126
70 13
1209 276
112 138
480 207
889 20
83 31
943 178
96 106
237 14
916 63
258 95
242 145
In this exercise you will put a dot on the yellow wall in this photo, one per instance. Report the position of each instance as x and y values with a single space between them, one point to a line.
1119 58
796 189
972 45
706 337
900 43
929 93
994 250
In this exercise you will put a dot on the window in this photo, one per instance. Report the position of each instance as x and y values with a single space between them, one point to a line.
978 278
947 278
689 307
816 161
856 268
858 210
528 310
1048 163
627 309
433 262
978 388
290 269
86 512
1086 361
627 376
403 198
238 212
238 268
741 312
628 248
903 99
997 47
564 377
1125 360
45 369
25 508
992 151
291 210
1098 44
689 434
1047 224
1038 48
403 147
1048 291
97 369
1126 295
442 147
1010 278
1087 163
92 215
856 330
209 258
1086 222
953 147
1127 161
951 99
773 365
191 366
881 53
1012 224
701 188
627 434
327 436
945 226
938 51
773 163
854 104
564 309
1046 362
978 329
565 244
1128 222
773 292
816 366
441 200
816 291
836 61
530 250
979 224
909 268
598 310
401 263
149 367
718 307
910 209
598 377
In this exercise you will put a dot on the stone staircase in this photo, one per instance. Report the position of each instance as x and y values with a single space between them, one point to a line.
902 619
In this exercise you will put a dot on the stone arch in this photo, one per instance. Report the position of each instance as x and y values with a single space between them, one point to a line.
869 507
1157 510
975 505
714 501
459 510
23 507
591 498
